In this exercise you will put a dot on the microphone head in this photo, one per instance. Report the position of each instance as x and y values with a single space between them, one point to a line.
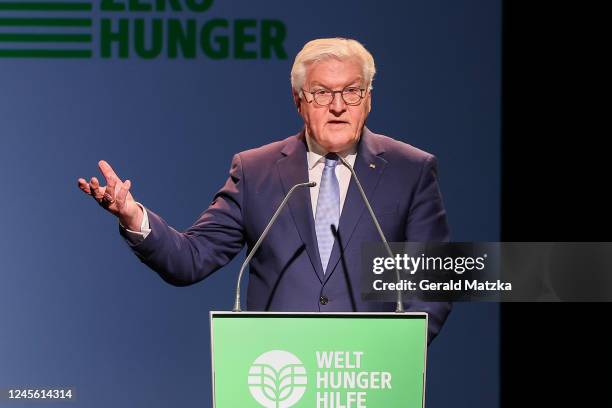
311 184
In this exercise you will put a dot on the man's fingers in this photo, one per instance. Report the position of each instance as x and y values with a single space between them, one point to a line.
109 195
96 190
107 172
111 180
109 191
122 194
84 186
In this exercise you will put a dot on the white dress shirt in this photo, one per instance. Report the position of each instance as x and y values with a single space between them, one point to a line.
316 163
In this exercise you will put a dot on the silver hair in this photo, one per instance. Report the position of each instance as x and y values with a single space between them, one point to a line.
324 48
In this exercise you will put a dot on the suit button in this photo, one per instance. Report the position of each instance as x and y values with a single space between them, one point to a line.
323 300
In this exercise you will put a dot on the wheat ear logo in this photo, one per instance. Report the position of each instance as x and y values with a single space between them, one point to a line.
277 379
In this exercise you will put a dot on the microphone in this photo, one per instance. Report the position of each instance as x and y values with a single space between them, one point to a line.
261 238
399 307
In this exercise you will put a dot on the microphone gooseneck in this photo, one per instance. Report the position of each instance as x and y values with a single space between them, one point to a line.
260 240
399 307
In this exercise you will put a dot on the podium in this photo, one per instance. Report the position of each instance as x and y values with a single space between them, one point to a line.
322 360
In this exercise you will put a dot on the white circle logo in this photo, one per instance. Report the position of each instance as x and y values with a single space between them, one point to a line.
277 379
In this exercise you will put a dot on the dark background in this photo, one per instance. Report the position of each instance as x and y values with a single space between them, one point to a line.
555 187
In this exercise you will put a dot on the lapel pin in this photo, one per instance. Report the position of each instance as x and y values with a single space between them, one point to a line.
372 166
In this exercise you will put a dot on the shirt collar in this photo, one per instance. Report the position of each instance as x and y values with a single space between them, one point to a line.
316 153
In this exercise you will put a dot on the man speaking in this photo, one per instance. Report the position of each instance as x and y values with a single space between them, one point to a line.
310 259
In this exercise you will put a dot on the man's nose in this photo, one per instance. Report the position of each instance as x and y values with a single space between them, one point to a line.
337 104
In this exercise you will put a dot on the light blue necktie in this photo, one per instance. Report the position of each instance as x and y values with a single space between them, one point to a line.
328 209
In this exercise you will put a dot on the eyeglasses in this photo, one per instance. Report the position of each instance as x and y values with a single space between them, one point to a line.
351 95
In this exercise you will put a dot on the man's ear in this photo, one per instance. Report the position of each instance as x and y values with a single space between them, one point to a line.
297 101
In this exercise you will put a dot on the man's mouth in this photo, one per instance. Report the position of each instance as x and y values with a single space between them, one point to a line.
337 122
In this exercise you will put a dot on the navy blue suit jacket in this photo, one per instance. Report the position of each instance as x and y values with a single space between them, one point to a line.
286 273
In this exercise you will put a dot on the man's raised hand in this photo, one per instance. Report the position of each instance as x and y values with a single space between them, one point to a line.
115 197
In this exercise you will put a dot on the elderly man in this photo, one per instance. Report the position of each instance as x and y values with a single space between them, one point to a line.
302 265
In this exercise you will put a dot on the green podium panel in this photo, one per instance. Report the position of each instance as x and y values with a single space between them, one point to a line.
318 360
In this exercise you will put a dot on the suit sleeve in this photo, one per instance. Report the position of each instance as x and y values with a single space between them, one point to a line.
184 258
427 222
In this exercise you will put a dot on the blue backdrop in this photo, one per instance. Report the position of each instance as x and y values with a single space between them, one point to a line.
78 309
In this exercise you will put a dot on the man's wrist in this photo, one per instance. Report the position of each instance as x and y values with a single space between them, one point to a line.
133 222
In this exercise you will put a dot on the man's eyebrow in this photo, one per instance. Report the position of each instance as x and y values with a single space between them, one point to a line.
356 81
315 83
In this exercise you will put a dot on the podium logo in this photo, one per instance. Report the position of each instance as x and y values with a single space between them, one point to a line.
277 379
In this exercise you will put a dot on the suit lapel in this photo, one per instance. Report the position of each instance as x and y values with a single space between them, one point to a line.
369 167
293 169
